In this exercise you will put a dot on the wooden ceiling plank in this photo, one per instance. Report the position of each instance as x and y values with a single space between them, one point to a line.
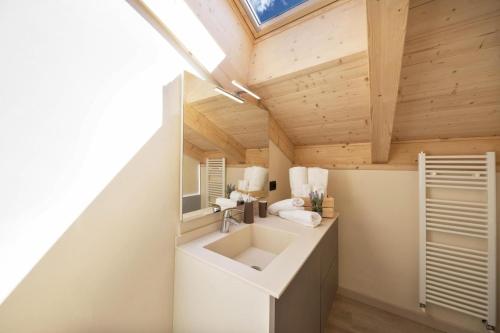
386 36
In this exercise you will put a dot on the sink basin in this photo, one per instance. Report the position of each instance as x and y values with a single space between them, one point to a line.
253 245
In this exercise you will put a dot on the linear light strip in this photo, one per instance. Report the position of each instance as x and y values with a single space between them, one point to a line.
245 89
229 95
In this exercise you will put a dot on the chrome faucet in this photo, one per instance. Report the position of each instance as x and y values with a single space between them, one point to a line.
229 219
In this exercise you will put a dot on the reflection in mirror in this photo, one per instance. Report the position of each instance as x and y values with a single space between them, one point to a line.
225 157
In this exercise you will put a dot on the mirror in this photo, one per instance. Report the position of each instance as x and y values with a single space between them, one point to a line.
225 150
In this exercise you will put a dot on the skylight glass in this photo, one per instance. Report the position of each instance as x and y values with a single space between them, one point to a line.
265 10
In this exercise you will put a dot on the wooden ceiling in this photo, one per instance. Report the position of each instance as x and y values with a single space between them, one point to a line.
450 79
324 104
449 83
315 76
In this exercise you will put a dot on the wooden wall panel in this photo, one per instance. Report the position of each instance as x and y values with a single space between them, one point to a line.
343 156
403 156
450 79
257 157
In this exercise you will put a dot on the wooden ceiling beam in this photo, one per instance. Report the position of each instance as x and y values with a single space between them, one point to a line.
280 139
204 127
193 151
386 36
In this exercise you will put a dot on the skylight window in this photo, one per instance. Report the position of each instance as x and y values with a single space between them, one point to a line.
266 10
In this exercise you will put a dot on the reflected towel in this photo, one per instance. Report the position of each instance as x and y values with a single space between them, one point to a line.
287 204
304 217
258 177
225 203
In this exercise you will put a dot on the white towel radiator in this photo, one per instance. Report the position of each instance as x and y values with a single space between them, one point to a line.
216 179
457 206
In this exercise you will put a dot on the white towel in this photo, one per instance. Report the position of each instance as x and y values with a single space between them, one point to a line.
225 203
305 190
258 178
318 179
298 177
287 204
304 217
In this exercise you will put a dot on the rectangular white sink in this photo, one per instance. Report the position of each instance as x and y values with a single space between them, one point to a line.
253 245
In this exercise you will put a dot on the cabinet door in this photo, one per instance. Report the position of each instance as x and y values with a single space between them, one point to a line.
328 248
298 310
329 288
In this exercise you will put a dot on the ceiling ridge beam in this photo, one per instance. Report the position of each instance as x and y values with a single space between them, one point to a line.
386 36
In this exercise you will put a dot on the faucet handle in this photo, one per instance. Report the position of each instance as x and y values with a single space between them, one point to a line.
216 208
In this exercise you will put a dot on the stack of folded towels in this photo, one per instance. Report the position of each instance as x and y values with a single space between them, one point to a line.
293 210
306 180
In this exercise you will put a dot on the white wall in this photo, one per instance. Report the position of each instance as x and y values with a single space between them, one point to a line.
80 94
278 170
378 238
190 175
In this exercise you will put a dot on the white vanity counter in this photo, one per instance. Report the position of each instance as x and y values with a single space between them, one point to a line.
297 244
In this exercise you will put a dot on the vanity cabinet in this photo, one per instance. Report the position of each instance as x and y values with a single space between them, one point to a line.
307 301
217 290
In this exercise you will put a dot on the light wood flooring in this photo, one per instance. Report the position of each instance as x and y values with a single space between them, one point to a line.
350 316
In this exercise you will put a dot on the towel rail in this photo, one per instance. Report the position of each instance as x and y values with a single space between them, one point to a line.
452 274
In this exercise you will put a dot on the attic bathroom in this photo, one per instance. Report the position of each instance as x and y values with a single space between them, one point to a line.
274 166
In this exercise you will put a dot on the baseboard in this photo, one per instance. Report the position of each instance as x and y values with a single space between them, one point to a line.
416 316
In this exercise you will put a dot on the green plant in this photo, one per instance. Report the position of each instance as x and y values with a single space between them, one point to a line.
316 201
230 188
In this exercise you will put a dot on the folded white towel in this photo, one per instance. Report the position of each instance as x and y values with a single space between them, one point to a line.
287 204
225 203
305 190
318 179
307 218
298 177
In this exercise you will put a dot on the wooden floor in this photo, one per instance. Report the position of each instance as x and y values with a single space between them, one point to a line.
349 316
